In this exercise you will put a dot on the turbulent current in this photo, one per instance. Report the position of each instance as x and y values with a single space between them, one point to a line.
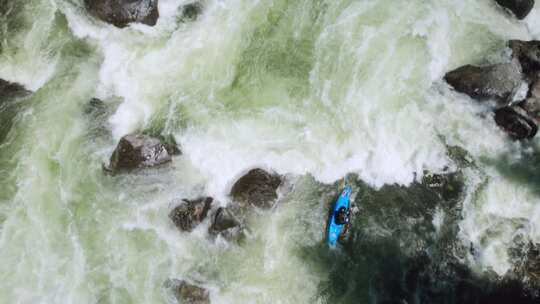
323 92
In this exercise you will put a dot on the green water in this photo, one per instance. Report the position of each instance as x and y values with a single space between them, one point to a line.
312 89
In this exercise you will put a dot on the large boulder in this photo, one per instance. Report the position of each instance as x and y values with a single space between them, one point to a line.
139 151
123 12
498 82
516 122
188 293
528 55
520 8
257 188
191 213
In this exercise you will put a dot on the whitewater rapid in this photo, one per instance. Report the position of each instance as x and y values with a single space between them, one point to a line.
324 88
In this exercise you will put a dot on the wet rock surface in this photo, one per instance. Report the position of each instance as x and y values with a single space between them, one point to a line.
532 104
191 213
226 222
498 82
527 53
517 115
188 293
123 12
520 8
515 121
138 151
256 188
526 259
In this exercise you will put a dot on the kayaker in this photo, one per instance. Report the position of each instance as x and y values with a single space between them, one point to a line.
343 216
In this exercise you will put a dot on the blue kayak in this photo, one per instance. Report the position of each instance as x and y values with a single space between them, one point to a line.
334 229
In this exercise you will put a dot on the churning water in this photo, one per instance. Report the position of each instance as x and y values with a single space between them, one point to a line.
313 89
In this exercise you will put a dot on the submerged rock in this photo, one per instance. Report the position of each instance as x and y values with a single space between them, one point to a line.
527 53
188 293
95 107
11 95
123 12
520 8
225 223
499 82
9 90
191 12
138 151
257 188
515 121
191 213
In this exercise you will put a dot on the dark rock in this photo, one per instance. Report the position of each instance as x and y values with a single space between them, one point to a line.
525 257
515 121
9 90
532 104
188 293
499 82
530 269
123 12
11 97
532 107
224 222
191 213
520 8
191 12
138 151
528 55
257 188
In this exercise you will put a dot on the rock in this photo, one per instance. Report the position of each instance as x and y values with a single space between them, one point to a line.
515 121
525 257
138 151
11 97
527 53
123 12
257 188
188 293
191 213
520 8
531 265
9 90
532 104
499 82
532 107
224 222
190 12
